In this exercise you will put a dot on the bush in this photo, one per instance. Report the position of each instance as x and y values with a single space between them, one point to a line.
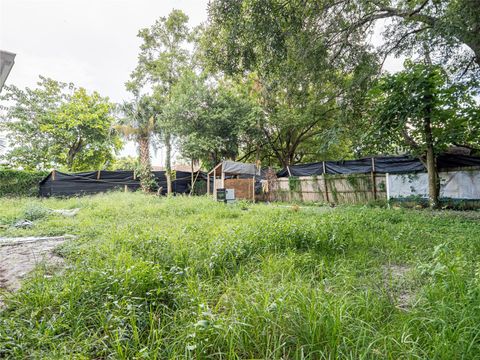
19 182
35 212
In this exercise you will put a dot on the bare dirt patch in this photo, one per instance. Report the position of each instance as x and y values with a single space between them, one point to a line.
396 285
396 271
19 256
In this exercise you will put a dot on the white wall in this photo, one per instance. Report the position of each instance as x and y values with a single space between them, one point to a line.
455 184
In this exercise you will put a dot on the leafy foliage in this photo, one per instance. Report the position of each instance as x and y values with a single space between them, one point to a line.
418 109
20 182
125 163
306 86
163 54
313 61
212 121
58 125
399 106
341 29
446 30
139 123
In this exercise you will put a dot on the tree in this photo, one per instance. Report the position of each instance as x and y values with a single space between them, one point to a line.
446 28
58 125
162 58
138 124
212 120
125 163
304 85
421 111
301 121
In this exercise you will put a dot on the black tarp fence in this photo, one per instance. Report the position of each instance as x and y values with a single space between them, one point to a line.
62 184
382 164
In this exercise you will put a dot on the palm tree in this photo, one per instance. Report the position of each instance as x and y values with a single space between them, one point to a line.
138 124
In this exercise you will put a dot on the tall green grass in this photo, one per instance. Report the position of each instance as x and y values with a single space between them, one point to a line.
156 278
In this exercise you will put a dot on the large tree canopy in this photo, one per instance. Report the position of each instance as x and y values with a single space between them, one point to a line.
449 29
306 83
58 125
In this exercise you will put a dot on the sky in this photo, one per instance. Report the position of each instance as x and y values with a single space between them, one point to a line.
91 43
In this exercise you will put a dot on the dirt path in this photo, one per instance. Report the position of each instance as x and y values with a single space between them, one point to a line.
19 256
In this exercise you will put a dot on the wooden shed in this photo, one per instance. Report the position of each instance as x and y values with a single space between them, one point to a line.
233 175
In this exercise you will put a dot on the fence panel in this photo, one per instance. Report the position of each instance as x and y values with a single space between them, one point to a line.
338 189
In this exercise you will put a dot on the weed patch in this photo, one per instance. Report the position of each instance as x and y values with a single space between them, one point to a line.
171 278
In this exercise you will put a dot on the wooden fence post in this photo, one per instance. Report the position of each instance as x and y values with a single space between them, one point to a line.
53 174
98 174
191 178
208 183
215 183
325 181
288 169
374 185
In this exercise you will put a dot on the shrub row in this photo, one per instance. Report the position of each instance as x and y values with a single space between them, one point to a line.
19 182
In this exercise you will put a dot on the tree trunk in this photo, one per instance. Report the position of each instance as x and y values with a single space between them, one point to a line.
72 152
433 183
168 162
192 179
144 152
145 166
287 158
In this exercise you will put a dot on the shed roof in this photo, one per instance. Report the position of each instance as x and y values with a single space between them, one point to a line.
236 168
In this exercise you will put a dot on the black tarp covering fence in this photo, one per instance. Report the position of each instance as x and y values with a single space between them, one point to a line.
382 165
62 184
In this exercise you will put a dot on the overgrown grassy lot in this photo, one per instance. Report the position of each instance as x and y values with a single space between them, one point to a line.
156 278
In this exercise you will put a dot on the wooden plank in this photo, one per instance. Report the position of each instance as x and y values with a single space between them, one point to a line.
374 185
289 172
325 181
215 183
191 178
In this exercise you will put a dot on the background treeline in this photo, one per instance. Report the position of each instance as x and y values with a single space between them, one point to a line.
274 82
